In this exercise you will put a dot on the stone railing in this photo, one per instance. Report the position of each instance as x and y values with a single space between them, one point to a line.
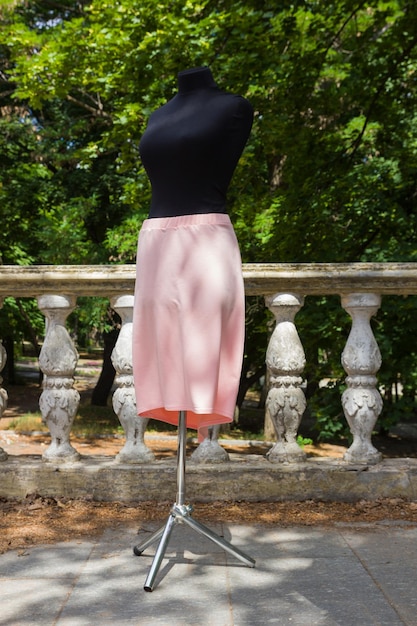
360 286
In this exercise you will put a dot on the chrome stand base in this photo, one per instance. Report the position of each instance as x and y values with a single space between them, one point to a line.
181 513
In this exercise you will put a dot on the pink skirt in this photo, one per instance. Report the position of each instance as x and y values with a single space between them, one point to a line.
189 319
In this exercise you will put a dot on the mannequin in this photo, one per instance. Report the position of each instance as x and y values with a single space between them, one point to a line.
192 145
189 315
188 328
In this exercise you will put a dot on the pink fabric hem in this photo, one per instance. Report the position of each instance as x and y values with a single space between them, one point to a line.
198 419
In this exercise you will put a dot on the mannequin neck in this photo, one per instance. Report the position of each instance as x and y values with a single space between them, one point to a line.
194 79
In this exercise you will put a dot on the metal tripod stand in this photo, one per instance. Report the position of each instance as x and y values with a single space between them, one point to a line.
181 513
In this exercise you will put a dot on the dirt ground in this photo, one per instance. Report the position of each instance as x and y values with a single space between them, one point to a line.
39 520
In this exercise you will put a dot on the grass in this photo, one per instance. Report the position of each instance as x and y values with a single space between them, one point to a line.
90 420
93 420
29 422
98 420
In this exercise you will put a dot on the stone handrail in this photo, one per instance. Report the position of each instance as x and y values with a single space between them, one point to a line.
360 285
260 279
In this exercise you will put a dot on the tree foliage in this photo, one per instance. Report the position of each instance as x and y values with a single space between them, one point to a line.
328 174
332 84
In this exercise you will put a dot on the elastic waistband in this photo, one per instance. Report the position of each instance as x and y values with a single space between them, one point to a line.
155 223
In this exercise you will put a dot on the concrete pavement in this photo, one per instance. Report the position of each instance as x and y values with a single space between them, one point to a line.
346 575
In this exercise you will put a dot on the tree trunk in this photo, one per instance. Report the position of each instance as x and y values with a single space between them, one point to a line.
104 384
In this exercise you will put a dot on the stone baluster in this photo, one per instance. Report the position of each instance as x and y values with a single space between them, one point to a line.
58 360
209 450
124 400
3 392
285 360
361 359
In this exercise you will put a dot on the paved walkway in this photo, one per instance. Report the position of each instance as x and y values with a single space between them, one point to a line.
347 576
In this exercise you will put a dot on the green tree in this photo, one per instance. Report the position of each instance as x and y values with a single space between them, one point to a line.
328 174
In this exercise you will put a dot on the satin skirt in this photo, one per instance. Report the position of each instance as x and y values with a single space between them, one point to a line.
189 319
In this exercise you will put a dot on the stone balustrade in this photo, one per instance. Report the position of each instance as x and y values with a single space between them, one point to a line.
360 286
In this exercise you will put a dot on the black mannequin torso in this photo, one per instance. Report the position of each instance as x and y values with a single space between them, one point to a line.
192 144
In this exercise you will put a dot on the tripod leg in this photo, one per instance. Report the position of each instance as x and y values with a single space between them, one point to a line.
154 537
159 554
203 530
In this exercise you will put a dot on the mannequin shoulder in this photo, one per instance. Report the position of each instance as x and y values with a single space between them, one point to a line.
244 107
242 114
235 105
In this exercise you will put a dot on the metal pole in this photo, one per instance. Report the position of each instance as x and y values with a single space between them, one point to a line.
181 457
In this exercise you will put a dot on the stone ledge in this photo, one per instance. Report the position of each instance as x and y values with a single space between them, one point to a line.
245 477
259 279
